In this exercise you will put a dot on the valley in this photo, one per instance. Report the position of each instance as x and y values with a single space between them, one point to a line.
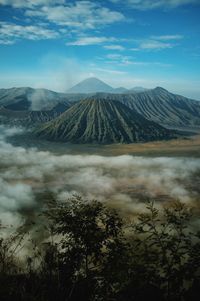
181 147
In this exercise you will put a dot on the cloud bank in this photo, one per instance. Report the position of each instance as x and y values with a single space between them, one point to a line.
29 176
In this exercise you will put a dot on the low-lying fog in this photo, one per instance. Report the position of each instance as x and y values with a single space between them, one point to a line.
29 177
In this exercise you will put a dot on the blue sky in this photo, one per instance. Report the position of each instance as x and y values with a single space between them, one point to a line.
56 43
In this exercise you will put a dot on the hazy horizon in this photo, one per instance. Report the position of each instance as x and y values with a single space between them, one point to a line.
185 94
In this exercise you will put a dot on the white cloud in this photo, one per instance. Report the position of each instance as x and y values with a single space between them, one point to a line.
114 47
4 41
157 42
168 37
136 4
30 3
156 4
154 45
123 60
76 16
135 49
10 33
109 71
83 41
114 56
81 14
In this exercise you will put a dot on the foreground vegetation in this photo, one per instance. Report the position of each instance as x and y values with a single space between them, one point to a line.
91 253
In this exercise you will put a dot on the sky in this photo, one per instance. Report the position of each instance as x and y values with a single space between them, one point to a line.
54 44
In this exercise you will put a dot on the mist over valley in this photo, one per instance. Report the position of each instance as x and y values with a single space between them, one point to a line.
30 174
99 150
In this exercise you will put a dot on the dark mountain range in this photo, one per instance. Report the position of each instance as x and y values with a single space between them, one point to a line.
102 121
158 105
161 106
25 98
29 99
30 118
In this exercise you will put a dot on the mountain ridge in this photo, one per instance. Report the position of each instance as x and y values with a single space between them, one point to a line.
102 121
158 104
161 106
30 99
